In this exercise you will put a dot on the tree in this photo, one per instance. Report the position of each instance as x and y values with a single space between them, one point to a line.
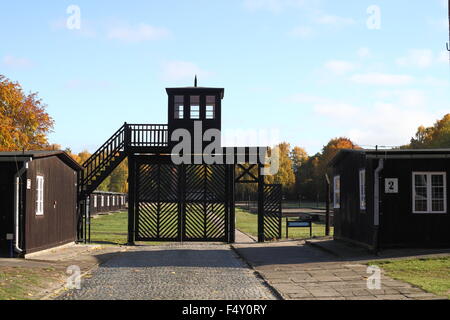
285 175
437 136
24 123
312 174
299 157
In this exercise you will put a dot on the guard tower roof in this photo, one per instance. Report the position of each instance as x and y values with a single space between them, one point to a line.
196 90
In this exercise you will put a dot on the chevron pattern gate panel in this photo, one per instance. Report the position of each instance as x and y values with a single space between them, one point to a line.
272 211
205 207
177 203
158 214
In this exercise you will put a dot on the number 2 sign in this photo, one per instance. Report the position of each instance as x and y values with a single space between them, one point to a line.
391 185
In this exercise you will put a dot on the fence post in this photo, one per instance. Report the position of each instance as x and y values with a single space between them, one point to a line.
261 236
131 199
327 215
127 136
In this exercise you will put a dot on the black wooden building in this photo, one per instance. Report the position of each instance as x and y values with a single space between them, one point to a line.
105 201
38 200
392 198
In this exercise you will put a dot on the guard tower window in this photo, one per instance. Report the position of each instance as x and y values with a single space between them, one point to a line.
179 107
195 107
210 107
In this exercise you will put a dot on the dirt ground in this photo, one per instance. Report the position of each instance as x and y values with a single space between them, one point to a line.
45 274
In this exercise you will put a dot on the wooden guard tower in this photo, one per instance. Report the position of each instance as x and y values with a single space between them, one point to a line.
191 201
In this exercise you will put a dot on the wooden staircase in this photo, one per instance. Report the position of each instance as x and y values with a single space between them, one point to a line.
100 165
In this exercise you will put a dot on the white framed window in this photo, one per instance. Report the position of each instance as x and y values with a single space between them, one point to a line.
337 192
102 201
362 189
179 107
429 192
39 195
195 107
210 107
95 201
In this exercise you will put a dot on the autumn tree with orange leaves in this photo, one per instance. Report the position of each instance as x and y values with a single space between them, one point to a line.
24 123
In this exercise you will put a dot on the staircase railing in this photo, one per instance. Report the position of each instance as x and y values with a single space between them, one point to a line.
103 156
129 135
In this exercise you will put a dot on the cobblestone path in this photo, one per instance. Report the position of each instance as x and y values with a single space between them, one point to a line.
177 272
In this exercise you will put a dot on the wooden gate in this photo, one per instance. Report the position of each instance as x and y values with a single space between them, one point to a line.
272 211
181 203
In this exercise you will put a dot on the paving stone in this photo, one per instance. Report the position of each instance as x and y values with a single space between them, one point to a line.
420 295
362 292
300 295
385 291
280 281
391 297
345 274
327 279
365 298
346 292
407 291
330 277
303 280
321 293
396 284
288 289
350 278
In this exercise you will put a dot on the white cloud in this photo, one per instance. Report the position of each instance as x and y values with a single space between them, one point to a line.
380 125
334 20
432 81
443 57
336 109
302 32
17 62
417 58
439 24
377 123
408 98
422 58
382 79
183 70
339 67
87 28
275 6
363 52
140 33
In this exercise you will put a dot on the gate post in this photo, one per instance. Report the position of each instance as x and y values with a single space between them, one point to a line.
131 198
261 236
231 204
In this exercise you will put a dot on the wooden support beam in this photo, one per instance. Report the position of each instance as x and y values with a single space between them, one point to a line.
131 198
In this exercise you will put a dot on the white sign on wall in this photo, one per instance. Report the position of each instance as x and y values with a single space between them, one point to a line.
391 185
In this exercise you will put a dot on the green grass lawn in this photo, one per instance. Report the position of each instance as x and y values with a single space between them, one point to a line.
248 223
110 229
20 283
432 275
303 204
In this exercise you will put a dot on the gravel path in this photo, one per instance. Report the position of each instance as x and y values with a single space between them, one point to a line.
175 272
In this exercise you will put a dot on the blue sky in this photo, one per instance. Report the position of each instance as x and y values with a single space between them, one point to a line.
310 70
